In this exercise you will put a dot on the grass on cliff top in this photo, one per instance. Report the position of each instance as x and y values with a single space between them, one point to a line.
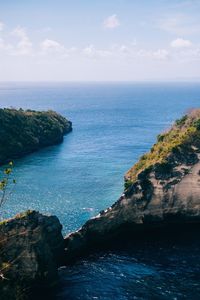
184 132
20 215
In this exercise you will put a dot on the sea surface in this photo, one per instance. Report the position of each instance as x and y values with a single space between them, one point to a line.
113 125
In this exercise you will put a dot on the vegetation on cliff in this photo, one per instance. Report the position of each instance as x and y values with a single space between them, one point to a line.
182 136
6 183
22 132
161 195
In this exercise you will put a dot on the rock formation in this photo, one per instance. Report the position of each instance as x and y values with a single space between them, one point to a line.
162 190
23 132
31 246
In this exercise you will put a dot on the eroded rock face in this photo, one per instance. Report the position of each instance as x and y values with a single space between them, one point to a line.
31 246
164 195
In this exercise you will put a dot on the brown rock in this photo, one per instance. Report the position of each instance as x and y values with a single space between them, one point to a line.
164 195
31 246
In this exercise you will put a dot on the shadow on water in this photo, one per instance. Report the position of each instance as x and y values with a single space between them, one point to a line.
163 266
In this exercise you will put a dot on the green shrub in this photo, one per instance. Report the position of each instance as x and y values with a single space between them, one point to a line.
127 184
181 121
184 133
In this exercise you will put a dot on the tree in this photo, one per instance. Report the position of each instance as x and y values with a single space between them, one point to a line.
6 183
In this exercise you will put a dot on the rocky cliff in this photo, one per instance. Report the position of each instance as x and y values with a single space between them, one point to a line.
23 132
162 190
31 246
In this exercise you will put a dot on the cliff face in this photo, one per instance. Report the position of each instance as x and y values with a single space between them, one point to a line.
31 246
23 132
162 190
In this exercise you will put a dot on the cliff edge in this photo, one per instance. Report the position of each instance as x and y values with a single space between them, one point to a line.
31 246
162 190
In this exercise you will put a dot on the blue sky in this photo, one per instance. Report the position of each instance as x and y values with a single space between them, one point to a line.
104 40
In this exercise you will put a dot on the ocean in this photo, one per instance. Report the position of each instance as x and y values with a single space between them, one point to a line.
113 125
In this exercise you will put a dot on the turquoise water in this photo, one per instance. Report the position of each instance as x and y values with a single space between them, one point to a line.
113 124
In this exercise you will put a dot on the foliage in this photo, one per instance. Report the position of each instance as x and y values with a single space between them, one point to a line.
23 132
181 121
184 133
24 214
6 183
127 184
197 124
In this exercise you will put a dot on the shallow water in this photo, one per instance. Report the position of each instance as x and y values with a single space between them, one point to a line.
113 124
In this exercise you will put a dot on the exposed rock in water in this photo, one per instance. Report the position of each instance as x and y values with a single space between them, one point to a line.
26 131
162 191
31 246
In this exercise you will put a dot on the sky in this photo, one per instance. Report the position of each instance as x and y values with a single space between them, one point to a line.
99 40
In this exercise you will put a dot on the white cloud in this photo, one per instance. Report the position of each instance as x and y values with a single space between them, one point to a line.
91 52
161 54
111 22
187 55
181 43
51 46
24 46
2 44
19 32
1 26
123 53
124 49
6 47
126 52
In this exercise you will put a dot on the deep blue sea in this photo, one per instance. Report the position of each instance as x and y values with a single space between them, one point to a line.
113 124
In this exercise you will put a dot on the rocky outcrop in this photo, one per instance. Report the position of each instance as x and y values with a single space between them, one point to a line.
162 191
31 247
23 132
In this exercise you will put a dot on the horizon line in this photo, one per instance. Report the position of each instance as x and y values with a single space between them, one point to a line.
194 80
